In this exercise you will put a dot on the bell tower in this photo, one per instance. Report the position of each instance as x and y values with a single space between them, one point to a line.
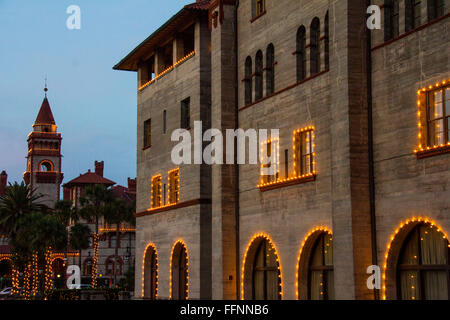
43 172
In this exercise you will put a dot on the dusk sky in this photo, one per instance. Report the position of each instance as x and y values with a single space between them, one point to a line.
93 105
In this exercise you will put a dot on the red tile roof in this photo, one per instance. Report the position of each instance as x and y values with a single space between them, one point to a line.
199 5
89 178
45 115
123 193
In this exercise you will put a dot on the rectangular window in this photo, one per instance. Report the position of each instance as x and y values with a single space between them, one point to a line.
438 116
185 122
417 13
260 6
270 169
156 191
147 133
174 186
304 154
164 121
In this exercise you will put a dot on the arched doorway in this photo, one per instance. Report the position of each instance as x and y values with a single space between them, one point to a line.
417 263
5 272
59 273
179 272
150 273
261 279
315 271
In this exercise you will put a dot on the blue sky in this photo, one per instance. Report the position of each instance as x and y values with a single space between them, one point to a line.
93 105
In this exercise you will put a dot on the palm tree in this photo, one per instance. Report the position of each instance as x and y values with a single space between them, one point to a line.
92 209
18 202
117 212
79 238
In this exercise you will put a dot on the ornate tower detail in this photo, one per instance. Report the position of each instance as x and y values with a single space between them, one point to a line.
44 156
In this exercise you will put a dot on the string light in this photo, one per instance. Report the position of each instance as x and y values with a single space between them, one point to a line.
156 191
145 85
174 178
421 104
151 246
122 229
264 236
95 261
183 245
307 237
48 282
393 238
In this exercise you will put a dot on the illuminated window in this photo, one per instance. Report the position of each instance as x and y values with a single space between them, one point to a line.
270 161
148 133
321 275
423 268
179 272
150 281
174 186
113 262
304 154
156 192
438 116
46 166
260 6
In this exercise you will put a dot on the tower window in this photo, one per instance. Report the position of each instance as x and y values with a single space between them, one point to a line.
46 166
147 133
185 122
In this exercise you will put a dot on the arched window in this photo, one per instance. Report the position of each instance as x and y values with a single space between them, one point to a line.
435 9
391 19
301 56
87 267
320 275
412 14
46 166
113 263
270 70
179 273
315 46
262 277
258 75
327 41
248 81
423 268
150 274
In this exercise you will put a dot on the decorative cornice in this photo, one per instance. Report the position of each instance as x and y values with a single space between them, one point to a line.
179 205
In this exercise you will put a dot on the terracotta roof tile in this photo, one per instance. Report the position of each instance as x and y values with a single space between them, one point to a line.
45 115
89 178
199 5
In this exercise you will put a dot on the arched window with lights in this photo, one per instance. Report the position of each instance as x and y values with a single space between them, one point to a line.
270 70
315 46
320 273
423 268
150 281
301 56
259 76
248 81
180 278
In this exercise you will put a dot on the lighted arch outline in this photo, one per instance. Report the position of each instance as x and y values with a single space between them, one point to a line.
179 241
393 237
153 246
52 166
252 240
309 234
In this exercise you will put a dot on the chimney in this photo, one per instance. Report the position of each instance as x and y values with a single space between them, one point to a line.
3 181
131 185
99 165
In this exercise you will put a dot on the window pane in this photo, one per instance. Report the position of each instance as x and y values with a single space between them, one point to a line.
328 250
330 285
433 246
435 285
409 282
411 251
317 289
317 258
447 102
436 132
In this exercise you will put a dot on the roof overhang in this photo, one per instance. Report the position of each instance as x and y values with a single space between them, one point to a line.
178 23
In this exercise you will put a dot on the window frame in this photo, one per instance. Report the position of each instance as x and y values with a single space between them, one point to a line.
156 191
174 186
445 118
325 269
147 134
300 140
185 115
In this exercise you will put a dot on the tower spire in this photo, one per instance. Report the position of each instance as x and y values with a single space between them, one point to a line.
45 88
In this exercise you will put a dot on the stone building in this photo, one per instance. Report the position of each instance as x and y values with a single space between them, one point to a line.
362 171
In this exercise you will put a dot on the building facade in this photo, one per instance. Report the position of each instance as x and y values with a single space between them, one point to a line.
362 166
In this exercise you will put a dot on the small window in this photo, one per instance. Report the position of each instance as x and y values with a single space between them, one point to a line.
270 170
113 241
248 81
327 41
391 16
270 70
185 114
321 275
315 46
164 121
436 9
438 116
259 76
174 186
113 263
260 7
304 162
46 166
87 267
147 133
301 56
412 14
156 191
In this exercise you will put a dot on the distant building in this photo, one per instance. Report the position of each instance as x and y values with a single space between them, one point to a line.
73 191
